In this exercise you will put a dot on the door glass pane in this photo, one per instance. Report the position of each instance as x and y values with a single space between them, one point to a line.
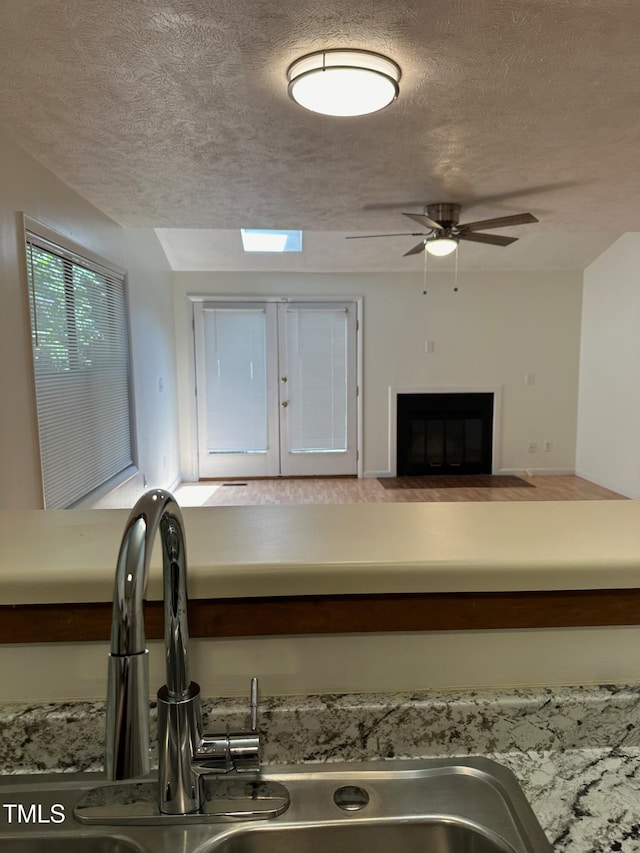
236 380
454 441
317 380
417 441
435 441
473 440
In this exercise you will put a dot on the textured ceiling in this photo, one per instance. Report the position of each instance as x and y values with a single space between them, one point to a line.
175 115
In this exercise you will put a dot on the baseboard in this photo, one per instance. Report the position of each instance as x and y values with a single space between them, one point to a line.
175 484
606 485
537 472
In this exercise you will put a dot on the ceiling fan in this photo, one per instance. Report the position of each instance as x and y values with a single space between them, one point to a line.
444 229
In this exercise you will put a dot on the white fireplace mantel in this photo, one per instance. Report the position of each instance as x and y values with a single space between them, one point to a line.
394 390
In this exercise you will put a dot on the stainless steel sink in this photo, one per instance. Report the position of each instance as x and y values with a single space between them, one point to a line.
73 844
436 836
442 806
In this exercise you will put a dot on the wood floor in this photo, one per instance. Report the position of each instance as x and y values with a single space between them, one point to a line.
339 490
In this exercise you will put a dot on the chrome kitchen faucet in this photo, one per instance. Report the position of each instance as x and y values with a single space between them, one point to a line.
185 754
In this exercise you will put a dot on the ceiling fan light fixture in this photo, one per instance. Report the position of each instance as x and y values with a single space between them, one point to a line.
343 82
441 246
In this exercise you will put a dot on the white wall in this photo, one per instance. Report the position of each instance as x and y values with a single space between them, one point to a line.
493 330
27 187
607 449
154 357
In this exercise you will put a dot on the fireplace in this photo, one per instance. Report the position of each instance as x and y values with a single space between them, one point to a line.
444 433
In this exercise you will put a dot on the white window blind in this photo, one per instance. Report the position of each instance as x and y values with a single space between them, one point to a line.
317 367
236 392
81 364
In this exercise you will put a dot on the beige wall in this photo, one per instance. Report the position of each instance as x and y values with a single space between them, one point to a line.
27 187
491 332
371 663
609 396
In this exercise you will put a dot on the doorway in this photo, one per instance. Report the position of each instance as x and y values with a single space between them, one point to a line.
276 388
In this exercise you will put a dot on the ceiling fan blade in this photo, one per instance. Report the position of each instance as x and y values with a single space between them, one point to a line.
499 222
366 236
416 249
393 205
423 220
493 239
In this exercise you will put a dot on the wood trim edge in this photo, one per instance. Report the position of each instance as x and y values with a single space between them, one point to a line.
335 614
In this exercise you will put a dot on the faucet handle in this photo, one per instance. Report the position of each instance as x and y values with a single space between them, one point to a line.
244 752
253 704
239 751
244 748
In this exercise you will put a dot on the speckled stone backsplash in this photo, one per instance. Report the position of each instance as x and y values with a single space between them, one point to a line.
351 727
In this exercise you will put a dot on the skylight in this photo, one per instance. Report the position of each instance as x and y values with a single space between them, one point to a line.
266 240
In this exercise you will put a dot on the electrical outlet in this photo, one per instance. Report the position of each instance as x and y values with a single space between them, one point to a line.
547 447
532 447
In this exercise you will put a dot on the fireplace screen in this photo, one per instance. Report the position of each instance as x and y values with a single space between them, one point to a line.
444 434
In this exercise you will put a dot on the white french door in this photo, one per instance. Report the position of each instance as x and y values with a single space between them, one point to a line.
236 391
317 357
276 388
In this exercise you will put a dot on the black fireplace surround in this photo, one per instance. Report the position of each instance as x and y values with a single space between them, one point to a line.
444 433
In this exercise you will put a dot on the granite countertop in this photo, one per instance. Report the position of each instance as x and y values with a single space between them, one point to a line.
575 751
585 799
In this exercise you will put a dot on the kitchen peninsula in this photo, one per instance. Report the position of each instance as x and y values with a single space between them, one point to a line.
338 598
373 567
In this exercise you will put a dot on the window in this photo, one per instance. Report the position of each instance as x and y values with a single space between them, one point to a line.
81 365
268 240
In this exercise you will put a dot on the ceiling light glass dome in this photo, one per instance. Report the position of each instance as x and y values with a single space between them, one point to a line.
441 246
343 82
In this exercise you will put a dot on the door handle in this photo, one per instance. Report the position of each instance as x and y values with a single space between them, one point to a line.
284 404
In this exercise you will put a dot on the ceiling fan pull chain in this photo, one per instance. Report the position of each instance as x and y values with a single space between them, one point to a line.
455 270
425 253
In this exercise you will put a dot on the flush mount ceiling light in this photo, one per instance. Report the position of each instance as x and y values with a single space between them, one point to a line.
441 246
343 82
